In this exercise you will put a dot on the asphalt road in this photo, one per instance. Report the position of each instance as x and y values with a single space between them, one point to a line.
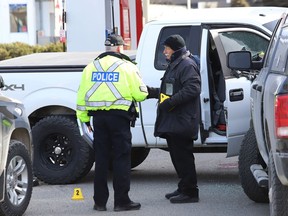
220 191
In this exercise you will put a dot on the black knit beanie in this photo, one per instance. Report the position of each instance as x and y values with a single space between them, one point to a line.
175 42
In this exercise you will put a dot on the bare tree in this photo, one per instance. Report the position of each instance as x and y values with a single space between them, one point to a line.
239 3
279 3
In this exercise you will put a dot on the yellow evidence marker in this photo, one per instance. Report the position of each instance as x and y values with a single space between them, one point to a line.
163 97
77 195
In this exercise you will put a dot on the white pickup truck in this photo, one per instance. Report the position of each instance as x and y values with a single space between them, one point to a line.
47 84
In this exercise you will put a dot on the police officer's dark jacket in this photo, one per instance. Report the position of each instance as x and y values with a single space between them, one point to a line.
182 84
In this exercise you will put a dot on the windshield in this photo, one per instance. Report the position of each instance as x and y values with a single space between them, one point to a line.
244 40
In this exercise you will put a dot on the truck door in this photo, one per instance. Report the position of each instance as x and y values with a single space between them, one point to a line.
205 96
152 65
237 103
257 92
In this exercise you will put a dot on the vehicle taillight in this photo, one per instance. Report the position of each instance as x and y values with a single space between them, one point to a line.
281 116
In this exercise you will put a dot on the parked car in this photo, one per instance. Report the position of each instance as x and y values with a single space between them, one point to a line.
263 158
16 178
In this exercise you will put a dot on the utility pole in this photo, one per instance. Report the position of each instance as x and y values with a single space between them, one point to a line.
113 19
188 4
146 4
63 26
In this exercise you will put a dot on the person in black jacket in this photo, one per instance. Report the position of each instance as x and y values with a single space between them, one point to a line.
178 115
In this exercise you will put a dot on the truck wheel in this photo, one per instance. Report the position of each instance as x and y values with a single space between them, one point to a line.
248 155
278 193
19 180
61 156
138 155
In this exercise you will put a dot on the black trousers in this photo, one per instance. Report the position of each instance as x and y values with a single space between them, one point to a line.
112 138
181 153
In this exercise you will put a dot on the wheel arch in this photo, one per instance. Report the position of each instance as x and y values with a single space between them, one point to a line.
58 100
50 110
24 136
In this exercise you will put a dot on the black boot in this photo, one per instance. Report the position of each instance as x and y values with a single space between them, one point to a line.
173 194
183 198
129 206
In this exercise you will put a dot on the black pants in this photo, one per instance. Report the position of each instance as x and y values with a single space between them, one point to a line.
112 138
181 153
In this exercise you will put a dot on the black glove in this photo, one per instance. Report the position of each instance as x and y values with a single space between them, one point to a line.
152 92
166 105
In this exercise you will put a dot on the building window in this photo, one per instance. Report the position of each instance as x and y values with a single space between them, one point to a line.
18 17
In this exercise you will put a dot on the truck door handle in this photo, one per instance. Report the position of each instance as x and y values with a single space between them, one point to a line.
206 100
236 94
257 87
254 86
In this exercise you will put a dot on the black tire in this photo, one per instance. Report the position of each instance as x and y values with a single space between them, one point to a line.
248 155
61 156
278 193
138 155
19 180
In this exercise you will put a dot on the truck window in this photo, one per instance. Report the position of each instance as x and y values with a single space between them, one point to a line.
280 58
244 40
191 35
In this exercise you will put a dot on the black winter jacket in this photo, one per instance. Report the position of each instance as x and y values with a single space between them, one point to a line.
182 82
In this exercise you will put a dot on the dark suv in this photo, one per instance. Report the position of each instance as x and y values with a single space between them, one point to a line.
16 178
263 158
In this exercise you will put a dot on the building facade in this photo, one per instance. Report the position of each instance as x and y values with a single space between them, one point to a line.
30 21
18 21
82 25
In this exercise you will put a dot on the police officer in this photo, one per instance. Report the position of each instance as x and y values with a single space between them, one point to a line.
108 90
178 115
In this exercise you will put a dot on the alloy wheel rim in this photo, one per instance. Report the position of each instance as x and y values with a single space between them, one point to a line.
17 180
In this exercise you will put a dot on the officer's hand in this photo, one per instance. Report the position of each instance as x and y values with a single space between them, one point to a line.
152 92
166 105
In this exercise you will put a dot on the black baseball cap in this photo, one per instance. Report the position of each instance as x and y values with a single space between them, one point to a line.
114 40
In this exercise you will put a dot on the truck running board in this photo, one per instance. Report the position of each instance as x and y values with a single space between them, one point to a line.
260 175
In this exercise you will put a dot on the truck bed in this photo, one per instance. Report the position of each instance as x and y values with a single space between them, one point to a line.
54 60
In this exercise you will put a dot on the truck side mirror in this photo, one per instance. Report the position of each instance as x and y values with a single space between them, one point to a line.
1 82
239 60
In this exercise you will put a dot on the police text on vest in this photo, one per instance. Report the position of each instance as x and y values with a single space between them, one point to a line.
105 77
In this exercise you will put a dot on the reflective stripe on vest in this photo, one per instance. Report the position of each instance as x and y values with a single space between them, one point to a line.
120 100
82 108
